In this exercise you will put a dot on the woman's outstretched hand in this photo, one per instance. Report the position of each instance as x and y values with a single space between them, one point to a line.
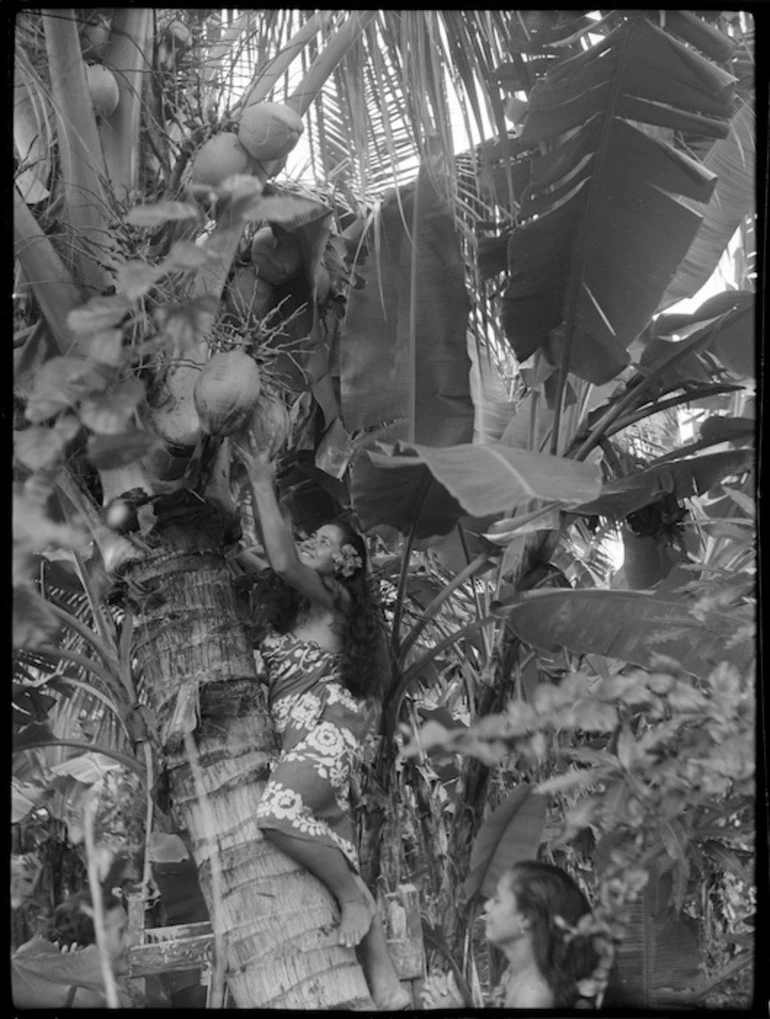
441 991
256 461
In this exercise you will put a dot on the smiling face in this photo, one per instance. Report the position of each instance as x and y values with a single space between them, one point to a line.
318 550
505 922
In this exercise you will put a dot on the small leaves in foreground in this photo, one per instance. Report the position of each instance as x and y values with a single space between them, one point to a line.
61 383
182 324
111 413
40 447
162 212
110 451
98 314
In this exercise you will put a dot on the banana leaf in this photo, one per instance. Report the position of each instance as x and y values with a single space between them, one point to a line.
403 354
733 160
494 478
628 625
510 834
730 335
602 227
681 478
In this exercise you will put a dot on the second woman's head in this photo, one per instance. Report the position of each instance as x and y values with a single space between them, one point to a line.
528 900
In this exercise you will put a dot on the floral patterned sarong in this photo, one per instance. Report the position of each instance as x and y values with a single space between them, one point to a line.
321 726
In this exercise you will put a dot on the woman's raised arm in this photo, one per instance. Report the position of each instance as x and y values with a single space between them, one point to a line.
276 536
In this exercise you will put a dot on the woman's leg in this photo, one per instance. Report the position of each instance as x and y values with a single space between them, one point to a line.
386 989
329 865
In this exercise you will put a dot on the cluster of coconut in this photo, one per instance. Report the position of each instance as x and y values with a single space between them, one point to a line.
267 132
230 401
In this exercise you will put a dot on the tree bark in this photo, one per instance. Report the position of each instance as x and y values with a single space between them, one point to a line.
277 921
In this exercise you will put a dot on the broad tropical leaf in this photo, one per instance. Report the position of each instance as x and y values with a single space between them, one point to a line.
403 354
660 952
510 834
727 329
628 625
681 478
601 230
494 478
733 160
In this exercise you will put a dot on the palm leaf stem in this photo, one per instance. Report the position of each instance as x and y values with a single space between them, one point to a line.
80 151
50 280
130 60
266 77
312 83
696 393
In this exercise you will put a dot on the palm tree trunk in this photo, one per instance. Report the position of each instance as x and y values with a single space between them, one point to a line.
278 922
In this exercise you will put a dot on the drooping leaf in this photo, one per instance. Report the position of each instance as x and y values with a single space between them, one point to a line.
510 834
723 324
733 160
493 478
403 355
601 230
628 625
681 478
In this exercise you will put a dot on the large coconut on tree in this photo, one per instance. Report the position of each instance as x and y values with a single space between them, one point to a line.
269 130
219 158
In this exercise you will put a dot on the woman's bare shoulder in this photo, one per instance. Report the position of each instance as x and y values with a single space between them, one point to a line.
533 992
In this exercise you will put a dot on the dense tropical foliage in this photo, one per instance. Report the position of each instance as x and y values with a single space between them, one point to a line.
476 347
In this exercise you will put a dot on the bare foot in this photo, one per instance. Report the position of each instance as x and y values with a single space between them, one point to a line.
396 1000
356 919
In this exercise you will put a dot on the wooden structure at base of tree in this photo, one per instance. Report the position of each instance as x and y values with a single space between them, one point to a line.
191 945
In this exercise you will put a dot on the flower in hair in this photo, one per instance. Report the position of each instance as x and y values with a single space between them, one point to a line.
346 561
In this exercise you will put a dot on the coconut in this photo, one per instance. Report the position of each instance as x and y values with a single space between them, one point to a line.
219 158
103 87
95 38
277 258
248 296
226 392
269 130
270 424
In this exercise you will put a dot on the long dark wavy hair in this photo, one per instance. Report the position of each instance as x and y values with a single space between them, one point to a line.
544 892
365 668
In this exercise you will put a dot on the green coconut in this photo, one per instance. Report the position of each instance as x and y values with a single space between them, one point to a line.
104 90
219 158
269 130
226 392
276 257
95 38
